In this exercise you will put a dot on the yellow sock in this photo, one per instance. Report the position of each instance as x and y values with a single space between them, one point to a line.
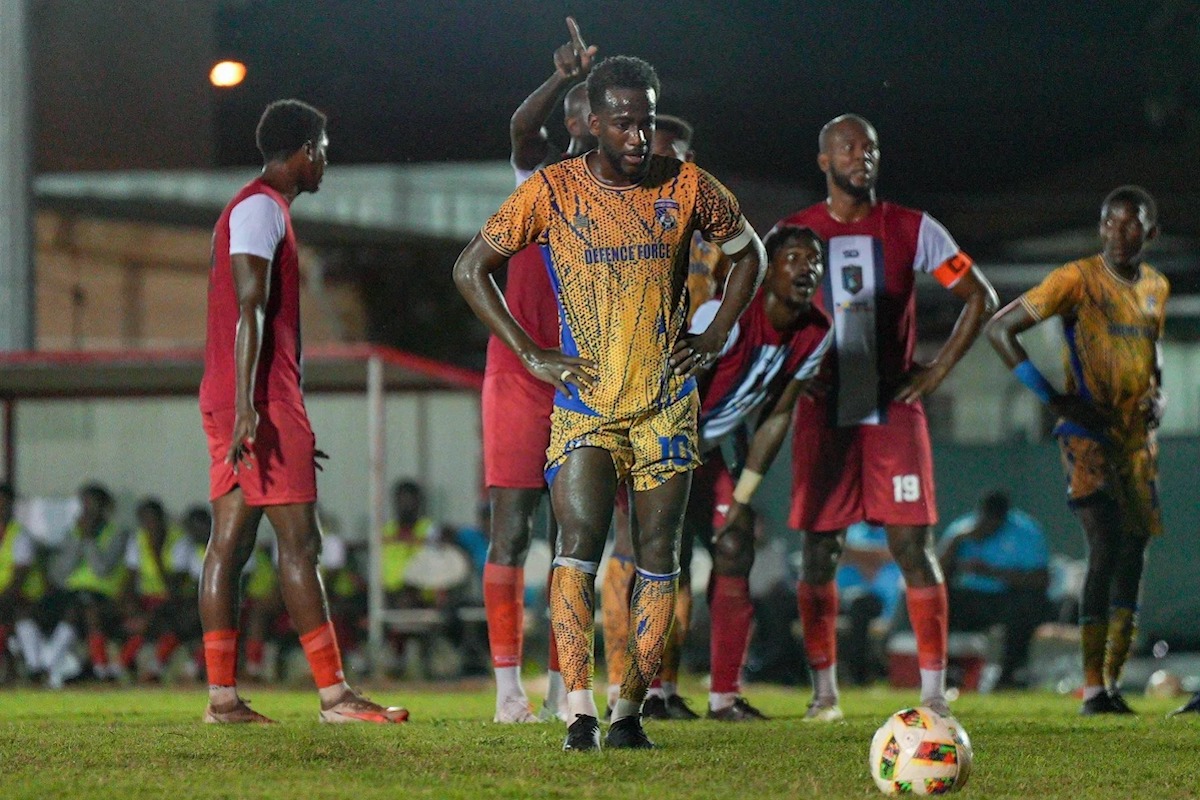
614 607
1122 625
572 615
652 612
1092 640
673 649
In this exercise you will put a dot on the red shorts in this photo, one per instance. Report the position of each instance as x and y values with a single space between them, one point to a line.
882 474
516 430
283 469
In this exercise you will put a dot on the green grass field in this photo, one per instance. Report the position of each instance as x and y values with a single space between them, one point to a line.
137 743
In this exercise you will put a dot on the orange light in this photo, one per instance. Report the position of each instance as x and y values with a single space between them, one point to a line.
227 73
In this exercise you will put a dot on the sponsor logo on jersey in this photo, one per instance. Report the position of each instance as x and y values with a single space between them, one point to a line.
663 212
626 252
852 278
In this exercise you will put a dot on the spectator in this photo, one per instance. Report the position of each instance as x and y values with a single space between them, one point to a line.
21 582
996 565
403 538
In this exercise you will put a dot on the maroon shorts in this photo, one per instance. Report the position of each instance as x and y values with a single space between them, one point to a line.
879 473
283 470
516 430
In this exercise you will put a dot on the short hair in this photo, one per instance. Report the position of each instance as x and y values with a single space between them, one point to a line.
995 504
6 491
576 102
99 492
153 505
838 120
681 129
408 485
620 72
780 235
1136 196
285 126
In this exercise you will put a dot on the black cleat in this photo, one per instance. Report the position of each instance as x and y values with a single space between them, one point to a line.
583 734
740 711
1100 704
627 734
1118 703
1190 707
677 708
655 707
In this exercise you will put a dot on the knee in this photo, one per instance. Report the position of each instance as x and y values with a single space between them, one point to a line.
821 555
658 552
510 535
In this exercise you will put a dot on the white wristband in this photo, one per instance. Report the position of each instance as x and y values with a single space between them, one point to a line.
746 486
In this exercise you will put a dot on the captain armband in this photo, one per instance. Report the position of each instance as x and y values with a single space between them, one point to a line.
953 268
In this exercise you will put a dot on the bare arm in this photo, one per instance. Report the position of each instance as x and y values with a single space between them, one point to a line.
251 282
474 280
694 353
526 129
980 303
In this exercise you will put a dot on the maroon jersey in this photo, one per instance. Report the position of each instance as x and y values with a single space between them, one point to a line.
278 376
531 299
756 363
868 288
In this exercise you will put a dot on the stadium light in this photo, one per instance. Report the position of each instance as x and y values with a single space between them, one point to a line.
226 74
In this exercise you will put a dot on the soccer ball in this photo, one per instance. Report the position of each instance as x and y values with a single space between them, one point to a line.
918 752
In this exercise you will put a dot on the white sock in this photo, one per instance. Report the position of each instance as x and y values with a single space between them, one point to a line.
331 694
222 695
508 683
719 700
625 708
32 644
60 642
656 691
670 688
581 701
1091 691
825 688
933 684
556 691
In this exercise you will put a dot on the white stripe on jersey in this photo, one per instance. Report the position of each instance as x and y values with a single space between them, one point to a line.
747 397
813 362
854 264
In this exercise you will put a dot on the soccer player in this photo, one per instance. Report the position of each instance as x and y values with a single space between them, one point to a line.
1113 308
861 450
516 406
614 227
262 449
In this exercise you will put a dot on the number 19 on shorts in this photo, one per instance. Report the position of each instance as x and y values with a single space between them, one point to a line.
906 488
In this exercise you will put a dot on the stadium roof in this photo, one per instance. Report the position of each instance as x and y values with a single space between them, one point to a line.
145 373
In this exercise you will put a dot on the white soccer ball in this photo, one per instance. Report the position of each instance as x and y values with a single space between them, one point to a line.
916 751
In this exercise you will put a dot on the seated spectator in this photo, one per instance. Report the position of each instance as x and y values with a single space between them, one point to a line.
403 539
870 586
89 575
995 563
21 583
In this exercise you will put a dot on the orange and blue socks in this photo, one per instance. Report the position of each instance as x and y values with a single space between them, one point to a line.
1122 626
572 620
651 617
614 607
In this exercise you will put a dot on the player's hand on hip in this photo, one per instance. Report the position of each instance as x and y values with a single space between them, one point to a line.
919 381
241 448
574 59
1081 412
693 354
560 370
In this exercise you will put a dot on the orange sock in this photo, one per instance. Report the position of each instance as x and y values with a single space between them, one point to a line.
614 608
254 652
98 649
672 655
168 643
504 602
324 659
572 617
220 657
130 650
552 656
651 617
929 612
818 617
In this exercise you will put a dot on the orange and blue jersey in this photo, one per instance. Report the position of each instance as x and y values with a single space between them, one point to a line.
618 260
1112 328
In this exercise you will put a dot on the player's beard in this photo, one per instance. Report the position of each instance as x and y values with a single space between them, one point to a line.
843 182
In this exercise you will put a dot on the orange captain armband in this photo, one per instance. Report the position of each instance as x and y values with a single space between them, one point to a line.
953 268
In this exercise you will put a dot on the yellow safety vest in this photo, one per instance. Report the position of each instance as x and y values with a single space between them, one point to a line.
397 554
261 582
85 579
151 581
35 582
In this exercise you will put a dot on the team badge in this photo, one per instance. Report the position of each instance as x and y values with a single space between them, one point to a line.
582 221
852 278
664 212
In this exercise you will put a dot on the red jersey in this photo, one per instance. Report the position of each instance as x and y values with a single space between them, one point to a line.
278 376
870 273
756 364
531 299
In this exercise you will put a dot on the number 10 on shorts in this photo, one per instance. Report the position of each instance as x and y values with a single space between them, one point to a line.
907 488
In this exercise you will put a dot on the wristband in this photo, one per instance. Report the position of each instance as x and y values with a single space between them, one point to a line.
747 484
1028 374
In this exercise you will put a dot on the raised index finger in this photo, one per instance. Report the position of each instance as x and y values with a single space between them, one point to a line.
576 37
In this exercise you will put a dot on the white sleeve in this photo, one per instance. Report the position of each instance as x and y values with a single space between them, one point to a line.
133 554
23 550
935 245
813 362
522 175
704 316
256 227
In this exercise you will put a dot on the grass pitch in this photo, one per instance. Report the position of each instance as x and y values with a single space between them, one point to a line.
138 743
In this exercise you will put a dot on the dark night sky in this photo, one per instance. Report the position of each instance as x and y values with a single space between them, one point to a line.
966 95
